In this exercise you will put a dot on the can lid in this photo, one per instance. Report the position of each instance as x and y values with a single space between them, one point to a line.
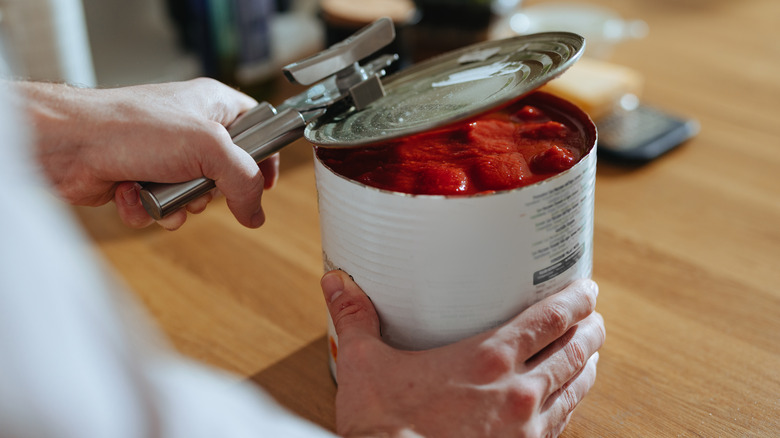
451 87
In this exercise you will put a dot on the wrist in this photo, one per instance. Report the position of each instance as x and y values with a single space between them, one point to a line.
58 129
52 110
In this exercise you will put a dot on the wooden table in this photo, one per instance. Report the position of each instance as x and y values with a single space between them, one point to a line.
687 251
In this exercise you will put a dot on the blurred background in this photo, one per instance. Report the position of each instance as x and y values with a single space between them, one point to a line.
245 42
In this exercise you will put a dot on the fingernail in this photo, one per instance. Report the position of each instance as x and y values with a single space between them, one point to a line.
350 276
589 286
332 286
595 287
131 196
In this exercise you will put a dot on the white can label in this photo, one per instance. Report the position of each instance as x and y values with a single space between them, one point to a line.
439 269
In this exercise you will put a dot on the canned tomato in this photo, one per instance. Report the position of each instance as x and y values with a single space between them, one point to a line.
455 229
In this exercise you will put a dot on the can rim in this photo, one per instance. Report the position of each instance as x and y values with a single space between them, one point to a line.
451 87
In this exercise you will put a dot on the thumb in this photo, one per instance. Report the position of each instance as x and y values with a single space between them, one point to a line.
350 309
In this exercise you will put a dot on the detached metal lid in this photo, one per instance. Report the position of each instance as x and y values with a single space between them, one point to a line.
451 87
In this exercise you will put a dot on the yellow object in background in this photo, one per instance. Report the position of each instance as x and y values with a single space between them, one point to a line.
598 87
351 13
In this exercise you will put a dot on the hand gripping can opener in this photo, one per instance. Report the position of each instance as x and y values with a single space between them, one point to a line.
264 130
351 106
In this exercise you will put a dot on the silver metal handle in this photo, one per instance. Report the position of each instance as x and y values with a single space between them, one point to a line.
342 55
260 113
260 141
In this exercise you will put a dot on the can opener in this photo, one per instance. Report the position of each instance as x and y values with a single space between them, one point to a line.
341 81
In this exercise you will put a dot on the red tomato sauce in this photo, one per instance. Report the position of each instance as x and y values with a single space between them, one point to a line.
516 146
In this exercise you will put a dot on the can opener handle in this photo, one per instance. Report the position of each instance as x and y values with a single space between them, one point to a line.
265 130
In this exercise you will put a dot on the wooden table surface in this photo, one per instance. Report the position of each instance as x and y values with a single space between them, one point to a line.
687 251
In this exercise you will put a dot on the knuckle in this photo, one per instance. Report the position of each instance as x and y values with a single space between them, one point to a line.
576 354
244 179
590 299
250 190
217 135
568 400
594 331
556 317
523 400
73 191
357 352
69 194
347 313
496 361
211 142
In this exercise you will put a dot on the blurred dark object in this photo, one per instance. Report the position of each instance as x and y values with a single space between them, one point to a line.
342 18
446 25
641 134
181 15
252 21
283 5
468 14
229 36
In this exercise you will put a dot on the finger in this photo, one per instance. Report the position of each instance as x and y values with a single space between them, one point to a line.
544 322
128 204
350 309
243 191
270 169
173 221
236 175
568 355
556 427
198 205
235 172
561 404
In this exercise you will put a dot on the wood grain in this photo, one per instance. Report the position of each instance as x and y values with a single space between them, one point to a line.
687 251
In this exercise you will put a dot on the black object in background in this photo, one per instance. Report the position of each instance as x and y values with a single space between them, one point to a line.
448 25
642 134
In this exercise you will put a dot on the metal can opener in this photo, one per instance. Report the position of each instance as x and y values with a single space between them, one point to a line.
264 130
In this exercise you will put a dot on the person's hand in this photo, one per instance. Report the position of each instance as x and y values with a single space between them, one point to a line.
94 144
523 379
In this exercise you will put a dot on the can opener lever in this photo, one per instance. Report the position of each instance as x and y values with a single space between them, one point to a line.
264 130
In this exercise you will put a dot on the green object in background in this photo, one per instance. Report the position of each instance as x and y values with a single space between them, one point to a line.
224 38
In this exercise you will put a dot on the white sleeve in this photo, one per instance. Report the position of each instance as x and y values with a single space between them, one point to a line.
76 359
